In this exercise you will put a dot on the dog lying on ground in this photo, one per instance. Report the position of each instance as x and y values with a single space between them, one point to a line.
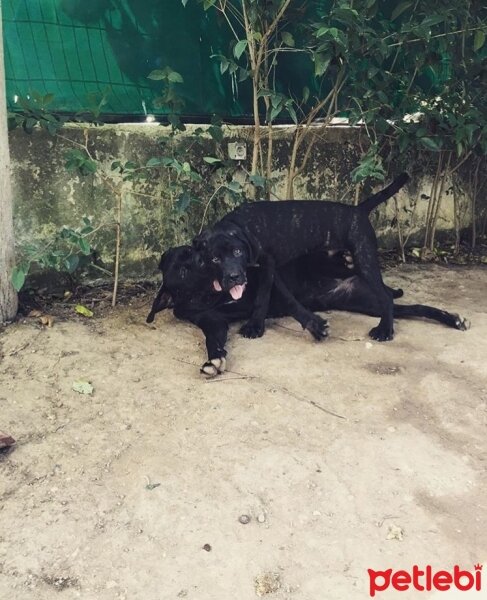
271 234
319 282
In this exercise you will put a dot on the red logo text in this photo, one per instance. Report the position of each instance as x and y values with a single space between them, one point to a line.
425 579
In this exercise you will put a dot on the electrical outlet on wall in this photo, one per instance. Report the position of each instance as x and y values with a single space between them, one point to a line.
237 151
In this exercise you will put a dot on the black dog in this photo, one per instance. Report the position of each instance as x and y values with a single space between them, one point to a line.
319 281
270 234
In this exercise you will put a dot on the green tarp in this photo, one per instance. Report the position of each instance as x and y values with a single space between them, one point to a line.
80 50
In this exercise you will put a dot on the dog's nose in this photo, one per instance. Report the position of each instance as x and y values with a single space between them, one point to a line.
233 277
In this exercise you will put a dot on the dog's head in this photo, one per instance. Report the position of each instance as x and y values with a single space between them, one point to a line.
183 275
228 253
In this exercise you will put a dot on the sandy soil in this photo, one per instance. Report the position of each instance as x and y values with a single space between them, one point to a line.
115 495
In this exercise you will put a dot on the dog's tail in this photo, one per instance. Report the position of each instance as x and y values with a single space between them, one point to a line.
369 204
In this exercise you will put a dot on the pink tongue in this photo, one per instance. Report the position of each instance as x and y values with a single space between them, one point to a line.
217 286
237 291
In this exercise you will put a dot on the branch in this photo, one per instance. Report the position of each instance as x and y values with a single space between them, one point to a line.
277 18
438 35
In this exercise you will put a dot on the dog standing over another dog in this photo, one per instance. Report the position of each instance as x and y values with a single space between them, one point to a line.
270 234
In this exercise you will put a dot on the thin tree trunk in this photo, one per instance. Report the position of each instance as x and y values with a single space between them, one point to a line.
434 222
473 191
8 296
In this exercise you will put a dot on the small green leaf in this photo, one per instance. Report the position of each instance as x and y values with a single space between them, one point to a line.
243 75
88 166
82 310
234 186
239 49
18 278
322 31
153 162
288 39
183 202
275 112
84 246
430 143
257 180
292 113
82 387
321 63
175 77
479 40
211 160
400 8
345 15
433 20
71 263
157 75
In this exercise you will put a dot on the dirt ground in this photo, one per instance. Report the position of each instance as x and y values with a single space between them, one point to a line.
345 455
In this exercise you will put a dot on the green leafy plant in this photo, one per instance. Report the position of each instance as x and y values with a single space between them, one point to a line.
34 112
68 250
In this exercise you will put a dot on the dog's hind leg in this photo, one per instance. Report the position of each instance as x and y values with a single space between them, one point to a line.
408 311
366 262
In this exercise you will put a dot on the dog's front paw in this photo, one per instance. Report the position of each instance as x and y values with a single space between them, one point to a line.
381 334
462 323
253 329
215 366
317 327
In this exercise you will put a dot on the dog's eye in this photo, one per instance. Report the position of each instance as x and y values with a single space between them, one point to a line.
183 272
237 252
215 259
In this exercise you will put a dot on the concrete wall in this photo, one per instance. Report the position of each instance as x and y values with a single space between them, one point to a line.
48 197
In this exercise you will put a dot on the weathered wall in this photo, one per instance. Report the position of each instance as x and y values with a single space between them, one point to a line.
48 197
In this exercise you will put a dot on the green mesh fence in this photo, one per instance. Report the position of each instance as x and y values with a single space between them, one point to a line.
79 50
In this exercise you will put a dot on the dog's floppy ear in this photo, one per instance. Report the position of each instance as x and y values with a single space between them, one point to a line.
162 301
252 245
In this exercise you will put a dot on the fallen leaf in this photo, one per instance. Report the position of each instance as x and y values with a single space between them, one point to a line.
82 387
267 583
46 320
35 313
82 310
395 533
152 486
